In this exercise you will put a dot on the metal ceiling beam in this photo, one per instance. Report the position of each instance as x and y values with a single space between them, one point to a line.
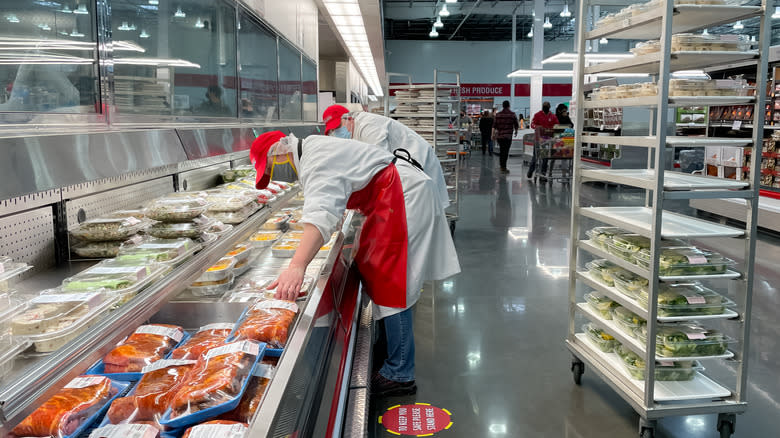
466 17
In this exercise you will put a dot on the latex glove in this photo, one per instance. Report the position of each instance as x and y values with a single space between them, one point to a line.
289 283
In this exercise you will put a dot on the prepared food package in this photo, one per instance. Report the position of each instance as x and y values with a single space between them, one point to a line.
100 229
601 236
207 337
275 189
138 430
646 47
267 321
689 340
258 284
151 396
234 217
603 340
218 377
158 250
97 250
629 283
219 228
601 303
293 235
121 279
217 428
221 201
627 320
686 299
664 371
137 213
65 412
624 246
243 253
253 396
239 172
283 185
603 271
276 222
687 260
148 344
176 230
177 207
688 42
263 239
10 273
218 271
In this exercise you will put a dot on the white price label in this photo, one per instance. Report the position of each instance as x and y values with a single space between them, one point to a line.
131 221
152 329
695 299
165 363
695 336
665 363
218 431
276 304
125 431
248 347
265 371
737 124
64 298
138 272
696 259
217 326
85 382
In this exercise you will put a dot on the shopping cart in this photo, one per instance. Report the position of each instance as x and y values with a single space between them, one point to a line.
550 150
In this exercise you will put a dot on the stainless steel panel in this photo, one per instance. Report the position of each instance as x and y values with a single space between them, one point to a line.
131 196
203 178
36 164
361 364
356 423
125 180
209 161
29 237
202 143
27 202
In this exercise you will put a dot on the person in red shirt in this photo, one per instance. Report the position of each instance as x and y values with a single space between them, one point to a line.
543 122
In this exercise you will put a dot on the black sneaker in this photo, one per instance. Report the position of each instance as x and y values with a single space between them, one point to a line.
382 387
530 174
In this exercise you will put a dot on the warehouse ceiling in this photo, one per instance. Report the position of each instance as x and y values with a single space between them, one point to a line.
491 20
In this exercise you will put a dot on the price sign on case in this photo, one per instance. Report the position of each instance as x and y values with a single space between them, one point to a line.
419 419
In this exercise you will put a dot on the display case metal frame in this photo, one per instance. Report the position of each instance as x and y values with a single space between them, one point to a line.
662 22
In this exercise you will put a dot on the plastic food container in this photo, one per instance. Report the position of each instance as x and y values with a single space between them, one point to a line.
177 230
223 202
177 207
211 288
600 236
603 340
167 251
118 278
703 43
137 213
689 340
243 253
602 271
52 321
234 217
601 303
646 47
686 260
97 250
262 239
686 299
647 89
629 283
10 348
100 229
219 228
285 248
664 371
284 185
608 92
276 222
627 320
689 87
626 245
10 272
258 284
10 307
231 175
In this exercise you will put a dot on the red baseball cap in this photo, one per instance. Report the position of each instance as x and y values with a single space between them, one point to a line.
332 117
258 154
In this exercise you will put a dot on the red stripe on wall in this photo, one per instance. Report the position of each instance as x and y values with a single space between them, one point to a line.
504 90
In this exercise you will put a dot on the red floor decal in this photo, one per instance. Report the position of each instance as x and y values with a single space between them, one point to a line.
419 419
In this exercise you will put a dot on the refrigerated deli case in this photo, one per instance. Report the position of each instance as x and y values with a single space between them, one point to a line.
61 181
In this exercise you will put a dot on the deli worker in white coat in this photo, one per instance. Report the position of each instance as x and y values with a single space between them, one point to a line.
390 135
404 240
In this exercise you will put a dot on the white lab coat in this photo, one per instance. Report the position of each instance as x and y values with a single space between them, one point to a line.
331 169
390 135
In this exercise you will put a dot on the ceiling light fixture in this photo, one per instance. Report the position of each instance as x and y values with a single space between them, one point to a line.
12 18
565 13
738 25
438 24
179 13
144 34
444 12
433 33
199 24
76 34
603 40
530 33
81 10
154 2
451 1
776 15
124 26
705 32
547 24
66 10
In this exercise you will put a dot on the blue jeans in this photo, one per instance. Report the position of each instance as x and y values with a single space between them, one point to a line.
399 365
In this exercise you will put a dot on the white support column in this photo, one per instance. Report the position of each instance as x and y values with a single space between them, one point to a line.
514 61
536 56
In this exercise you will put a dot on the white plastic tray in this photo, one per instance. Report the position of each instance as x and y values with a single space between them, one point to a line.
683 60
633 343
701 387
645 178
674 226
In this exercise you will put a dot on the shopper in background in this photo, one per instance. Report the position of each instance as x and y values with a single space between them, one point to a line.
543 123
562 114
405 240
504 127
389 135
486 132
213 105
521 120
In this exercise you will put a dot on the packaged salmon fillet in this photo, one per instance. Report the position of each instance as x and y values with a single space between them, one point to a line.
207 337
149 343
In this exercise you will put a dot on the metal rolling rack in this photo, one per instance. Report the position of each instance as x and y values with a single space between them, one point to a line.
441 139
650 398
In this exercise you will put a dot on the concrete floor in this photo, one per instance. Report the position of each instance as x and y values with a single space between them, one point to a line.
490 342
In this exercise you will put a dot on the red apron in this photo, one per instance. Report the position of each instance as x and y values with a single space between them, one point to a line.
381 257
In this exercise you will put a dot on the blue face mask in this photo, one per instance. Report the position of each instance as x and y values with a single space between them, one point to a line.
341 132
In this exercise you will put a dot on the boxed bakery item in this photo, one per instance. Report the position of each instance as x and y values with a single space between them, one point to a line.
712 155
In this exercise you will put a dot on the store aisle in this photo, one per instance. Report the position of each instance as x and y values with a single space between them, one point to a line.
490 341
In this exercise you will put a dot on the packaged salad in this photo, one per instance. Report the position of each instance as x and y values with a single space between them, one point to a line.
175 230
686 260
601 236
689 340
664 371
177 207
603 340
601 303
686 299
629 283
100 229
603 271
627 320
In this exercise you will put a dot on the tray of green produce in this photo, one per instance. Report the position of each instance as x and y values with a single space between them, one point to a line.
679 371
627 320
684 340
628 283
603 340
601 303
687 261
601 236
688 300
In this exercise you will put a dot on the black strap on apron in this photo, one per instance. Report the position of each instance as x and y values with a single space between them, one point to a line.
300 148
408 158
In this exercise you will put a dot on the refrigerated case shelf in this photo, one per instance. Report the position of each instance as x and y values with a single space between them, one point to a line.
674 225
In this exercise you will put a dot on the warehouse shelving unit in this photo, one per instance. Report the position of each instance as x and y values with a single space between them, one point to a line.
650 398
428 109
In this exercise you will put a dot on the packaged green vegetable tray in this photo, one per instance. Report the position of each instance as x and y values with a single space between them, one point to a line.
169 251
686 299
601 236
629 283
601 303
689 340
603 340
603 271
627 320
626 245
686 260
664 371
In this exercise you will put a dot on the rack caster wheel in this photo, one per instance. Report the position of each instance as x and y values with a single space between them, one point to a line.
647 433
726 425
577 370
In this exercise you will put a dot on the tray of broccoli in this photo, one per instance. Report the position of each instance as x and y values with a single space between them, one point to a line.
686 299
601 236
686 261
690 340
603 271
666 372
629 283
625 246
603 340
601 303
627 320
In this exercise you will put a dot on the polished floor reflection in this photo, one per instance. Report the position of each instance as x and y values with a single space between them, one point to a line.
490 341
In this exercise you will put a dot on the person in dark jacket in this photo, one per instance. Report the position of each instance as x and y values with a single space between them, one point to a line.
504 127
486 131
562 114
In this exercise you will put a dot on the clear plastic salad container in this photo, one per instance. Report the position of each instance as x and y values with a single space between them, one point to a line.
120 279
686 299
686 260
262 239
10 307
627 320
53 320
100 229
219 228
601 303
626 245
176 230
664 371
603 271
10 348
97 250
629 283
137 213
221 201
10 273
177 207
234 217
689 340
603 340
258 284
687 42
168 251
646 47
231 175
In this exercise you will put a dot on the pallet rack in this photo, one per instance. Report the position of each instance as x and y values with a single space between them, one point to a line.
650 398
